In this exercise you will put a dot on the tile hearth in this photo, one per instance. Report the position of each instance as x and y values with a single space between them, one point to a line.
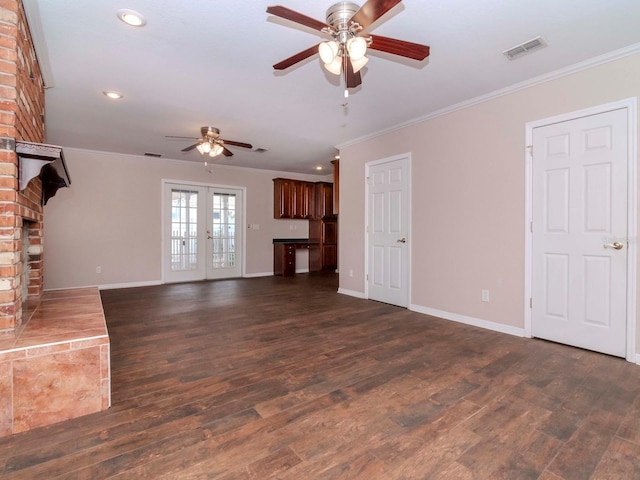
57 365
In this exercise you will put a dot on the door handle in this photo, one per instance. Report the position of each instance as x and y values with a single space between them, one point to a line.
402 240
614 245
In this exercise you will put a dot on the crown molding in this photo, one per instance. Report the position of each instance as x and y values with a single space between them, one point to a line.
563 72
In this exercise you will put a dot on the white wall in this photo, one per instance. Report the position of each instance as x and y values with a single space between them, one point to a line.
111 217
468 194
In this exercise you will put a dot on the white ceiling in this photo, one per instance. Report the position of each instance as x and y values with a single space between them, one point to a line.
203 62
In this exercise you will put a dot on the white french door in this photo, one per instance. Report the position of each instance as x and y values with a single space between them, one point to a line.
203 233
224 233
580 233
388 184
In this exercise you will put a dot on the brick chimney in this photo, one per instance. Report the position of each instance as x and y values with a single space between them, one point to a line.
21 119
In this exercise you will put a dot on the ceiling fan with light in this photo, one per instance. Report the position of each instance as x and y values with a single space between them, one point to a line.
345 51
211 144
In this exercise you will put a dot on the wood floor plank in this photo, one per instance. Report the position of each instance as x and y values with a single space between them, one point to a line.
284 378
620 460
580 456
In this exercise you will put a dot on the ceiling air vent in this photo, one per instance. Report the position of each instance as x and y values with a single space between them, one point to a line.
156 155
524 48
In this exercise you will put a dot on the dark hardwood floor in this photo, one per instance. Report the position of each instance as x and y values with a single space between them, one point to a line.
282 378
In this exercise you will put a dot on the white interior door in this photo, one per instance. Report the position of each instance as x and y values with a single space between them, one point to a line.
388 232
203 234
579 239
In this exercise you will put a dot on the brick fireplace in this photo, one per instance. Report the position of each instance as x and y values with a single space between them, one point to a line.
21 118
54 346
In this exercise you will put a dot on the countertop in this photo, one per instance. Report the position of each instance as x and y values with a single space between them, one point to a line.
298 241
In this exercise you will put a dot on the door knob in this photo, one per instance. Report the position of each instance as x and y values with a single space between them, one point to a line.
402 240
614 245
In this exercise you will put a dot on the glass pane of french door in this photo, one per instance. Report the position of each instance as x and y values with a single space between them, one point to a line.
225 233
184 230
224 226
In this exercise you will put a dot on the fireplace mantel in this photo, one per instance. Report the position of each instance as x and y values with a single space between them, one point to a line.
38 158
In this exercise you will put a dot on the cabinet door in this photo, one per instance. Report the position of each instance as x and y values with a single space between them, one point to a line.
283 198
336 186
315 231
315 258
329 257
329 232
310 194
324 200
303 196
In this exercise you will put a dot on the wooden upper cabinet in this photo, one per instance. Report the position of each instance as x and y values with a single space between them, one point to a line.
336 186
324 200
293 198
283 198
305 199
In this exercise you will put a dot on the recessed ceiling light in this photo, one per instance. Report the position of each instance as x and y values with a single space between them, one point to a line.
319 167
131 17
113 95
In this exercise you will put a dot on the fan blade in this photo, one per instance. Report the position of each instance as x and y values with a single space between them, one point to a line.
177 136
415 51
190 147
226 152
298 57
288 14
372 10
351 79
237 144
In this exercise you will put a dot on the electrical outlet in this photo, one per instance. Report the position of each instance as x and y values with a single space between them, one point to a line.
485 295
98 269
351 273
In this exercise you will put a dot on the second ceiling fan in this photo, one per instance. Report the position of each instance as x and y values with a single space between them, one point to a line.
211 144
345 51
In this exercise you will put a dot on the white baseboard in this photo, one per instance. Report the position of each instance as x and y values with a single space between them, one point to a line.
637 358
476 322
111 286
259 274
351 293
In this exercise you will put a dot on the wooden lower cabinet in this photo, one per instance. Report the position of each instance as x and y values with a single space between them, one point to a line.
284 259
324 233
329 257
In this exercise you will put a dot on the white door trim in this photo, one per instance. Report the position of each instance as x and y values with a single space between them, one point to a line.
164 215
630 104
367 167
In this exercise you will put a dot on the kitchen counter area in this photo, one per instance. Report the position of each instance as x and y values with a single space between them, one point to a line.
284 255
